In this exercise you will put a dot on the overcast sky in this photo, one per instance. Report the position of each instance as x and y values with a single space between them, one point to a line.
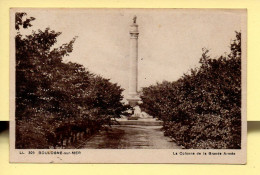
170 41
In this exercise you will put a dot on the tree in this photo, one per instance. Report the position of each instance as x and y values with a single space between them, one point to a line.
55 100
202 109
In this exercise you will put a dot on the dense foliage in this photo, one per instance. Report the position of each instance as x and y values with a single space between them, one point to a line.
57 102
203 108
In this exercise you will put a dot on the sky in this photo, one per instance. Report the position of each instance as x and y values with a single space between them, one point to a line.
170 40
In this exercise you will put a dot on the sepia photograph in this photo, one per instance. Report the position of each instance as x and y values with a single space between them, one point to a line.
128 85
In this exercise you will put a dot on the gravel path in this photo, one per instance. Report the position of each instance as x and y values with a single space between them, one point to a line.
130 137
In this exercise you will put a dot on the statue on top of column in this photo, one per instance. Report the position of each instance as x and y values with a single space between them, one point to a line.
134 19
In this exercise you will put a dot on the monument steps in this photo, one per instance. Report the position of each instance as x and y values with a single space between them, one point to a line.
142 122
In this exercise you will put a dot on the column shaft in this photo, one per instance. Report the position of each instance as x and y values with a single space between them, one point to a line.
133 72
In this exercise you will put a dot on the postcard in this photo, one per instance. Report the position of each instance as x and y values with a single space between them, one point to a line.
128 85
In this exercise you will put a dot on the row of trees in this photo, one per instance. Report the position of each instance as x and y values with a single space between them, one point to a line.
203 108
57 102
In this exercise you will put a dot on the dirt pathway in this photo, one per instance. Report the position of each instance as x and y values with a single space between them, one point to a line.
130 137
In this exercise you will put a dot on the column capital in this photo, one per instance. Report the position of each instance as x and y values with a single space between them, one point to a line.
134 28
134 31
134 35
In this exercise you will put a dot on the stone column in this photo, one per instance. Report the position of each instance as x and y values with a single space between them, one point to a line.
133 96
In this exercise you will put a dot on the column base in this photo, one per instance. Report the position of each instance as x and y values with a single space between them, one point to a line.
133 101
